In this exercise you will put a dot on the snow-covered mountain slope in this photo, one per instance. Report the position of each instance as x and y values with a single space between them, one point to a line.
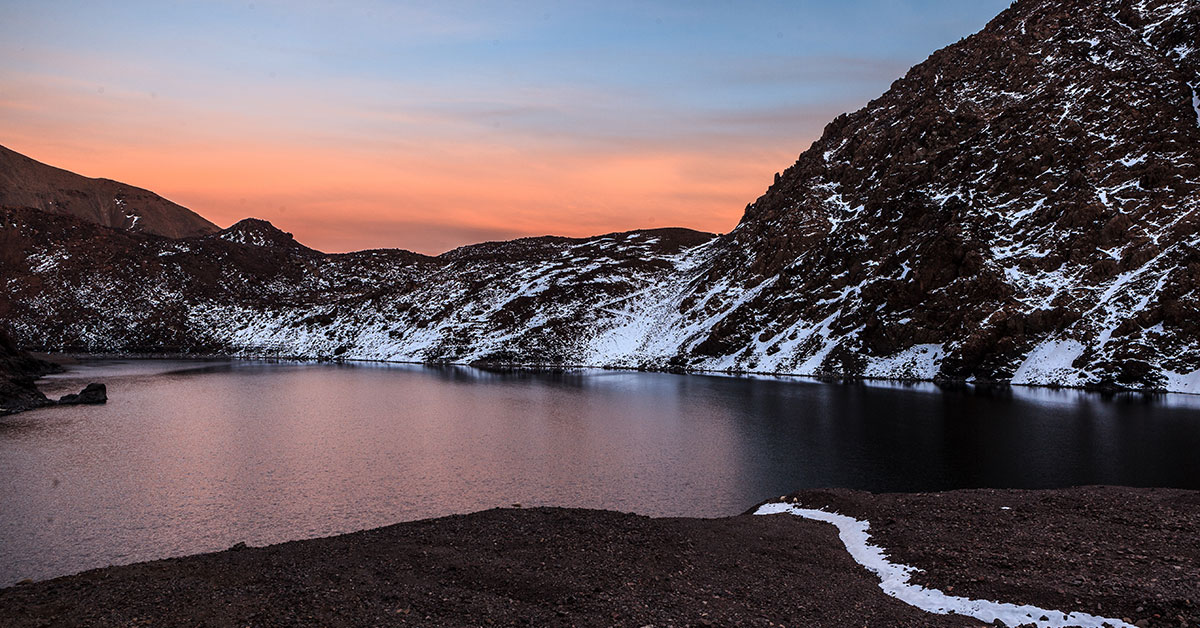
25 182
253 290
1022 206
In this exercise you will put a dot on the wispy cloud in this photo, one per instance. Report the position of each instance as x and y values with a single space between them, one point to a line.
426 126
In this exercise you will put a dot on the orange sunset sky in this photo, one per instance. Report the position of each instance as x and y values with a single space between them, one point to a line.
384 124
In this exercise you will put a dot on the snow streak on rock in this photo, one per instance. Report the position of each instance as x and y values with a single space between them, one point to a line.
895 580
1196 102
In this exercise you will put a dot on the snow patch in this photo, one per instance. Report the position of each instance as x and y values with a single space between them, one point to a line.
1183 382
1196 103
248 238
894 580
917 362
45 262
1050 363
1041 202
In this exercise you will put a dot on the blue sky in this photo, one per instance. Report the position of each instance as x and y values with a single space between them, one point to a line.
565 113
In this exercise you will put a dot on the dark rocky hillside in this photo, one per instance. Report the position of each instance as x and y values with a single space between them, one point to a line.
1022 206
25 182
253 290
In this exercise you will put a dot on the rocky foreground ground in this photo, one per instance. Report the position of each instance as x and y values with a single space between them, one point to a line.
1116 552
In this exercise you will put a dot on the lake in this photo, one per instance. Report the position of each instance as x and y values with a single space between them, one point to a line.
196 456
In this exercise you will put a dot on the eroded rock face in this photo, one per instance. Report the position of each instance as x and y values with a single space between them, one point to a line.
1022 206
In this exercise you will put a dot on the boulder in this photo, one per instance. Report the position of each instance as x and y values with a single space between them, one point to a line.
91 394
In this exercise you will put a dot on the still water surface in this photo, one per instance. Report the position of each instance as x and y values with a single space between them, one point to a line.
195 456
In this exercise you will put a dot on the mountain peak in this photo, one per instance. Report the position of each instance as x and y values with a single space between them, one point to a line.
258 232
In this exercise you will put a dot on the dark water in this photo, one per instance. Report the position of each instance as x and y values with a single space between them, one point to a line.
190 457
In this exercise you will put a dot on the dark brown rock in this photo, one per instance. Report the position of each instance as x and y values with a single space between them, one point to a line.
91 394
18 372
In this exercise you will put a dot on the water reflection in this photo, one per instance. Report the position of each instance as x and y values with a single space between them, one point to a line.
194 456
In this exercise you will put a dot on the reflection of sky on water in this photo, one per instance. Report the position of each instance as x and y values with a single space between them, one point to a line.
194 456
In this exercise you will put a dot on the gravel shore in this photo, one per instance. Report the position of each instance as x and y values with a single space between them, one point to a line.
1118 552
1127 553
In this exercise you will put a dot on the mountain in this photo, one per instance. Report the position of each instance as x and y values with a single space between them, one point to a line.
252 289
28 183
1020 207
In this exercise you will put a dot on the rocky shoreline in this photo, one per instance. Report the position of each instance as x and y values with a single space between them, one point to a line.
19 372
1116 552
1107 390
1129 553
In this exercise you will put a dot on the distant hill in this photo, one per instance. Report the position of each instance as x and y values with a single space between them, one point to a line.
25 182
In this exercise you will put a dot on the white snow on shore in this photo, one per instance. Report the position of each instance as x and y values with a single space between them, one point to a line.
894 580
1184 382
1050 361
916 362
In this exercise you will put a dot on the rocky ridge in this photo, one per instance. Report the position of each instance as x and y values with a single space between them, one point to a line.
1021 206
25 182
